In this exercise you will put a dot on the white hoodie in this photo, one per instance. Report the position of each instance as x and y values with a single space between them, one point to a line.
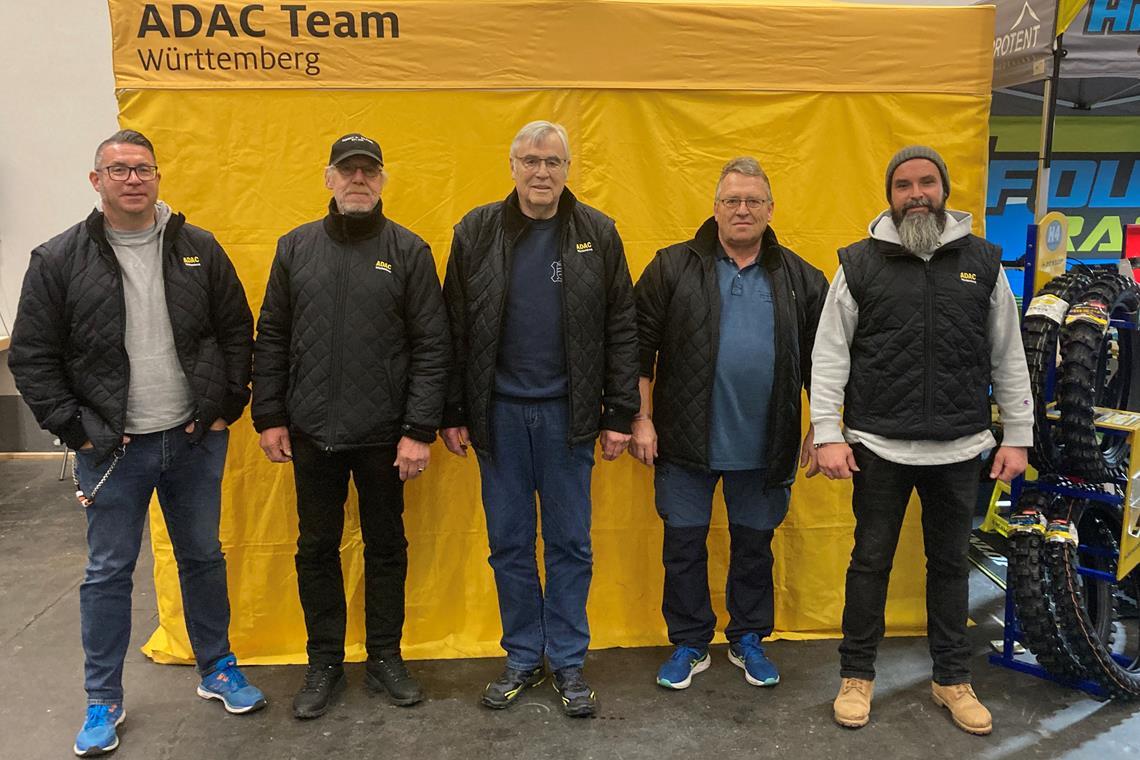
831 365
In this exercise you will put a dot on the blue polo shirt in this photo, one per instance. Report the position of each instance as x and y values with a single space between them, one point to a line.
745 365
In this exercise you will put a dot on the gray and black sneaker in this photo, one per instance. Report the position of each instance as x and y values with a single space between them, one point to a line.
322 683
506 688
388 675
578 699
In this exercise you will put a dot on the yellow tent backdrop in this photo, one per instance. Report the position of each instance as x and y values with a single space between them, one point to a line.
243 100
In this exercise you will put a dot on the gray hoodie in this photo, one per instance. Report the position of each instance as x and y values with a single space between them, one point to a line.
159 395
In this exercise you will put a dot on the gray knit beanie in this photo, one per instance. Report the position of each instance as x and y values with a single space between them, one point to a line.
918 151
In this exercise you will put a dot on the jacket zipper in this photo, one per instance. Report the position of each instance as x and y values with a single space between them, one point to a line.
508 258
928 350
565 341
334 355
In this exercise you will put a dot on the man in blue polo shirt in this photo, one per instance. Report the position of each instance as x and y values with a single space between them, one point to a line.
726 321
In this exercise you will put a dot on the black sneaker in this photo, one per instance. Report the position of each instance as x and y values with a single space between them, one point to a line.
506 688
322 683
578 699
389 675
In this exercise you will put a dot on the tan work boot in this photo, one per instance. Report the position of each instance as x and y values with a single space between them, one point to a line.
968 713
853 705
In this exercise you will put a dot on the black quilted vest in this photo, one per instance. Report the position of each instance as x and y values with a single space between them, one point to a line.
920 359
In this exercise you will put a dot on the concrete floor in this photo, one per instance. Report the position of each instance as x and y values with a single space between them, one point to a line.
42 554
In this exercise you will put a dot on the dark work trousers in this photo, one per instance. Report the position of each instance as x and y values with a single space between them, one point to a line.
322 487
882 490
684 500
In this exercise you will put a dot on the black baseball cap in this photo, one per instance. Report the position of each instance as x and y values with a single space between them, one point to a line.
355 144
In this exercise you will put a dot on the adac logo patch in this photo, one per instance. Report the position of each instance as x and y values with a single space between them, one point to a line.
969 277
383 266
191 261
587 247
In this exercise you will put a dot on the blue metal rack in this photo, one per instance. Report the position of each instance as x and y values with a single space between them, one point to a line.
1008 657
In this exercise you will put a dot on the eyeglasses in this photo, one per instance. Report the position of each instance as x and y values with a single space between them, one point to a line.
372 171
752 203
121 173
531 163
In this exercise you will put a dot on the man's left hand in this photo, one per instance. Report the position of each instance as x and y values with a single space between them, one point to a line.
412 457
808 456
1009 462
218 424
613 444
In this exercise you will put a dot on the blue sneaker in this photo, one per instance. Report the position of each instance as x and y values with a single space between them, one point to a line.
228 684
98 736
682 665
749 655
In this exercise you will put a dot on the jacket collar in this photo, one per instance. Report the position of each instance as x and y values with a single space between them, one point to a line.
706 242
515 221
349 228
96 229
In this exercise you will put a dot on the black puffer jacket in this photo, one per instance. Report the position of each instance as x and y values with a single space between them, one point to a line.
352 347
599 319
68 355
678 311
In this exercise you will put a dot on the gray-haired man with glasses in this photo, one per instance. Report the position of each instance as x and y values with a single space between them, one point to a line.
350 369
545 343
726 322
132 344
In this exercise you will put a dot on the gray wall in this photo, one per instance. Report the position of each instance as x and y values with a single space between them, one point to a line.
57 100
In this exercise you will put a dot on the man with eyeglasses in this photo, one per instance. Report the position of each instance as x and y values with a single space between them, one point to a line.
350 369
132 344
919 323
726 324
545 344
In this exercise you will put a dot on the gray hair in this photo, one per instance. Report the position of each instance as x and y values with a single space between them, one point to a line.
746 165
125 137
537 131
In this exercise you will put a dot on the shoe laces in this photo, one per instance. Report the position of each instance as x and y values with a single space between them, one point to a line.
961 691
394 666
316 676
571 682
230 676
853 684
750 647
685 654
98 715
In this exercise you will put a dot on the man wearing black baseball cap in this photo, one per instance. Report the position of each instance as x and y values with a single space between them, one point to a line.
351 362
918 324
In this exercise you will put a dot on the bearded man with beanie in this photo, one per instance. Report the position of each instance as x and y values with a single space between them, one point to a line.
918 324
350 367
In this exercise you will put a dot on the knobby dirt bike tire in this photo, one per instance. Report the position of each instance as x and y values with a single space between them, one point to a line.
1039 334
1079 383
1092 648
1030 582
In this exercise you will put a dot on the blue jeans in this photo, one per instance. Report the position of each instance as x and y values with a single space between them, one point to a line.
188 478
530 452
684 500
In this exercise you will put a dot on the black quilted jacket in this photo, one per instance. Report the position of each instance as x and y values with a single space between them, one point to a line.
67 353
599 318
678 311
352 347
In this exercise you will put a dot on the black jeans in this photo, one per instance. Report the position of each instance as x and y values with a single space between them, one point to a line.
882 489
322 487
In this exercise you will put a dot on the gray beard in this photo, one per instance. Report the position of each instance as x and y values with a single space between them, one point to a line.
920 233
